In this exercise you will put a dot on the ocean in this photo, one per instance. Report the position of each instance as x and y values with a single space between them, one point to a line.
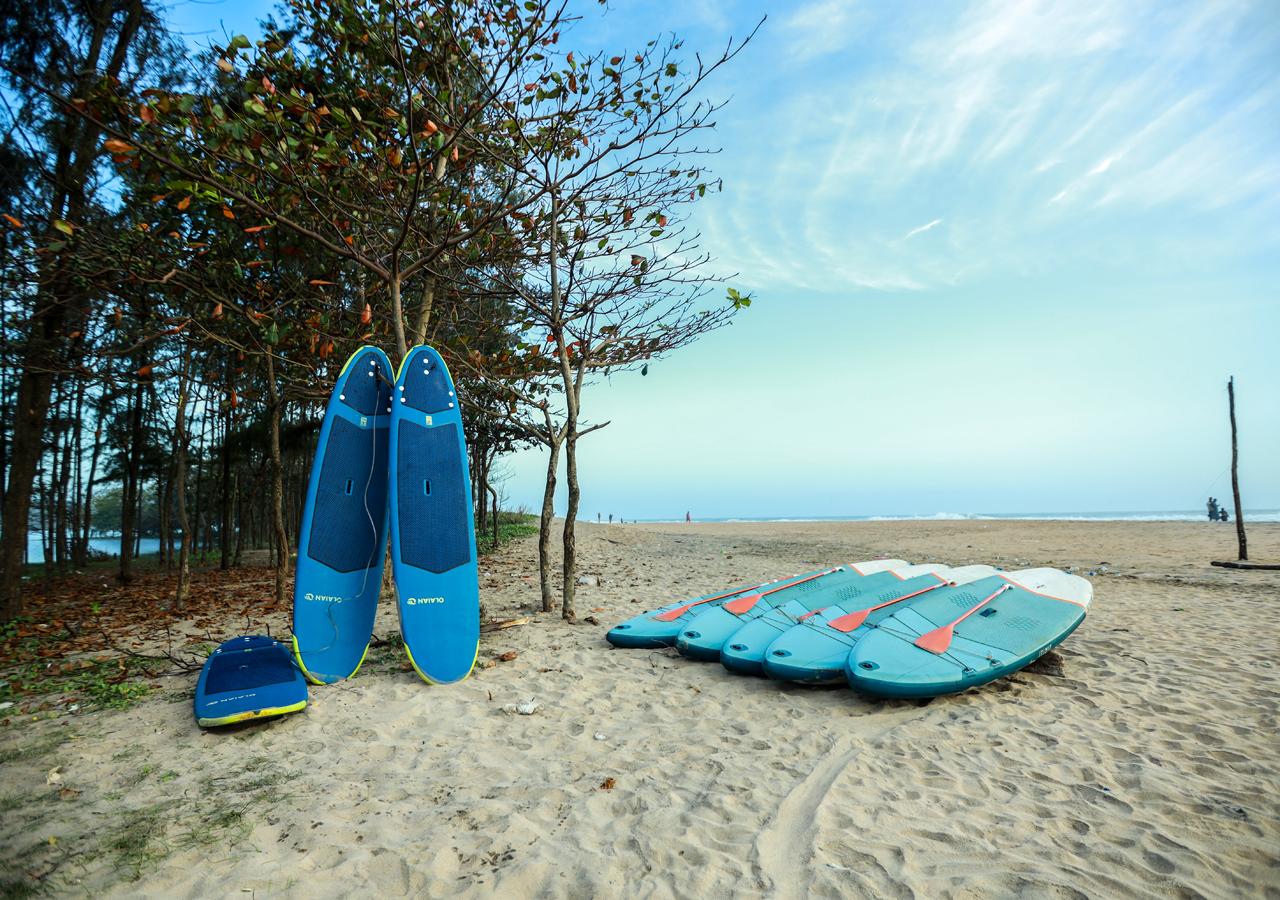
1176 515
108 545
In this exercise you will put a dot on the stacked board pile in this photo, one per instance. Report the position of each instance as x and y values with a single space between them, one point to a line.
886 627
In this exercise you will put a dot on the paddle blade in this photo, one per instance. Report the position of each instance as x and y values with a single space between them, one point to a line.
936 641
672 615
849 622
742 604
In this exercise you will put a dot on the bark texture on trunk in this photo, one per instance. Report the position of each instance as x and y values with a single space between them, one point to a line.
277 486
544 528
570 563
180 487
132 485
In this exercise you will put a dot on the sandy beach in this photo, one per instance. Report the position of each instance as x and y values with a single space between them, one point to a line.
1150 768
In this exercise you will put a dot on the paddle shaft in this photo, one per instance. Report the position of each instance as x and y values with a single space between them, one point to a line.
938 640
851 621
742 604
672 615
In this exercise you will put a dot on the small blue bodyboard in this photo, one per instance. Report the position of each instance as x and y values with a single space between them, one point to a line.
433 540
248 678
344 524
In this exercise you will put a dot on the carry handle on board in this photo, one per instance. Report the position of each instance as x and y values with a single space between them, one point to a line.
851 621
742 604
938 640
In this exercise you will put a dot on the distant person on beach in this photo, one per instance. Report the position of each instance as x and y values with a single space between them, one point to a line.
610 518
1213 509
1222 515
686 518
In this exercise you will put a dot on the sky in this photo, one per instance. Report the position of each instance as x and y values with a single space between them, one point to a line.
1003 257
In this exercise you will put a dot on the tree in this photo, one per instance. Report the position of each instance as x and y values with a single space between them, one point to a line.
356 127
608 278
58 47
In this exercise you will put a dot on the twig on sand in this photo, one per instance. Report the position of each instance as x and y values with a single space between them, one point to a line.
505 623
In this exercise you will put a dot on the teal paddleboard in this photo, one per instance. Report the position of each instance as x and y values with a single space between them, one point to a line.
962 637
660 627
344 524
815 649
433 540
705 637
744 650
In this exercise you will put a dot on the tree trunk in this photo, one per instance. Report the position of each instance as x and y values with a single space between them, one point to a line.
495 514
165 493
277 485
62 548
1235 481
239 523
544 526
397 315
570 564
423 319
35 386
180 485
82 550
129 498
224 525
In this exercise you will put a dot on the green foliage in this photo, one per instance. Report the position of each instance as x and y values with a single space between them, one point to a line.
103 683
511 526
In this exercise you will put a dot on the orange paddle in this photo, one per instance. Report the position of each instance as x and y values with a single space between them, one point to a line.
851 621
742 604
938 640
672 615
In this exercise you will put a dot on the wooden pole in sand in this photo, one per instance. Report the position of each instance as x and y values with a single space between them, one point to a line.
1235 481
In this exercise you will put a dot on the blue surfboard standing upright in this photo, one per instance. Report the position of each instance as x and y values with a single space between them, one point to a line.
433 541
344 524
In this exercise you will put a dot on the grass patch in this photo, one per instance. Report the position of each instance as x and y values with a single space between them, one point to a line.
222 814
24 816
42 747
19 887
511 526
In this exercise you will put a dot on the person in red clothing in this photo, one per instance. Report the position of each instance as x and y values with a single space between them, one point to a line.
686 518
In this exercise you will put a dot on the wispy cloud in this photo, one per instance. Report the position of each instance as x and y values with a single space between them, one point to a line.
977 118
923 228
824 27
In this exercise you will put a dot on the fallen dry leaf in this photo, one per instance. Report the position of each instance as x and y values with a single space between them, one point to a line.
54 776
592 619
67 793
608 785
508 656
694 687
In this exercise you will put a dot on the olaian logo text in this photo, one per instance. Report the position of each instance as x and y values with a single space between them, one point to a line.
414 601
323 598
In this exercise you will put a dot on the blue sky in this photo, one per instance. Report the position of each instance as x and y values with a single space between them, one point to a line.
1005 256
